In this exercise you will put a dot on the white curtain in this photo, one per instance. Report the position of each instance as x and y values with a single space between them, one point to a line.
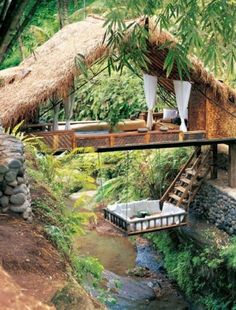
68 107
150 88
182 92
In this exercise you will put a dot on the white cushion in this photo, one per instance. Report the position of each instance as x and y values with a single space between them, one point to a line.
169 114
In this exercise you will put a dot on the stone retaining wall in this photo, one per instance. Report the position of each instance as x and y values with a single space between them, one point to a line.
14 186
217 206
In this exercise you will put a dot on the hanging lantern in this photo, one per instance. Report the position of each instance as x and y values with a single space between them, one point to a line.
150 88
182 92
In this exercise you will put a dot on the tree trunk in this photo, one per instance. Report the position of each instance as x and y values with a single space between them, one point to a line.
11 27
21 48
3 11
63 8
11 21
76 6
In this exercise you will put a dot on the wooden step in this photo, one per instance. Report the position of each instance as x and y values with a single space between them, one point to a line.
185 180
190 171
175 197
180 188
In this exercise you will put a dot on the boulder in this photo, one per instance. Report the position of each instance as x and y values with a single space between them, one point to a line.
18 199
13 184
10 176
8 191
27 213
20 180
3 169
20 209
22 188
4 201
15 164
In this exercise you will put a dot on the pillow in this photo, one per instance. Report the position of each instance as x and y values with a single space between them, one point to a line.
169 114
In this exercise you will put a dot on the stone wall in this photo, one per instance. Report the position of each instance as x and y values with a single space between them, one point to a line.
217 205
14 186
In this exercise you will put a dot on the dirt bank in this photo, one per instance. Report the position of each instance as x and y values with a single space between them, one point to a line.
30 258
36 271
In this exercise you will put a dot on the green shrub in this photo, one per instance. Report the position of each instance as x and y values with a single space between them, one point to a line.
139 174
229 252
202 274
87 268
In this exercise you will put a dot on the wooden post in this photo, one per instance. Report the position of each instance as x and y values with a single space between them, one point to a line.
232 165
147 137
112 140
214 162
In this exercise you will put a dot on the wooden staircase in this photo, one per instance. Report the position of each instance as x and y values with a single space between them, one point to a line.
185 186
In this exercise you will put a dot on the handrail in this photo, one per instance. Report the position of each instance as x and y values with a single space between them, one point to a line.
162 199
125 134
141 220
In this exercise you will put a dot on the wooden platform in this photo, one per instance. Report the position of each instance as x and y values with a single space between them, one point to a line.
69 140
144 225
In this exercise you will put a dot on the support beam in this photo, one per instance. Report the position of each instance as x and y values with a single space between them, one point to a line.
232 165
68 103
214 169
167 145
56 110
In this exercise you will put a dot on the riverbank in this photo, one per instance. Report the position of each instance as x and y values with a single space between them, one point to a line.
33 271
30 259
36 254
136 267
200 258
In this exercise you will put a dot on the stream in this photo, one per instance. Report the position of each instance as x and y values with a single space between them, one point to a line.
133 275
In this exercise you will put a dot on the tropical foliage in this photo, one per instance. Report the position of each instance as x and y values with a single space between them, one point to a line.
138 175
52 178
205 273
42 22
205 28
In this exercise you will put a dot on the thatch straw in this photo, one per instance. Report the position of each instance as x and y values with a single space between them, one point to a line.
51 69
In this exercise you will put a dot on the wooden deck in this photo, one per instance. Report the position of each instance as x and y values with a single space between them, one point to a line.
69 140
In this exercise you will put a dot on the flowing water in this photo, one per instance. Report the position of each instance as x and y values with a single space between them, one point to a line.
115 253
118 255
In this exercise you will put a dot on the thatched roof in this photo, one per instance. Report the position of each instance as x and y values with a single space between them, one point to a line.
51 69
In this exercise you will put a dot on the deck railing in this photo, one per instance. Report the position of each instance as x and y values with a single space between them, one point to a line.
58 139
69 140
125 138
